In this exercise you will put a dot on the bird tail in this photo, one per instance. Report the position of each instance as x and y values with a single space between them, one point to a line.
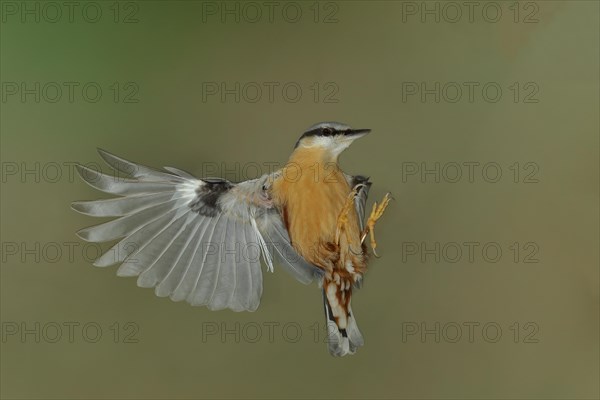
343 336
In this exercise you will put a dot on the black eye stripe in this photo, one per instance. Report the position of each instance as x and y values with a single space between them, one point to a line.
317 132
313 132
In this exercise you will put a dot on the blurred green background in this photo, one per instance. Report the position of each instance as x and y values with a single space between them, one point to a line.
157 64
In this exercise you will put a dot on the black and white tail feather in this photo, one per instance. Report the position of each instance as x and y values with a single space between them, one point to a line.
200 240
341 342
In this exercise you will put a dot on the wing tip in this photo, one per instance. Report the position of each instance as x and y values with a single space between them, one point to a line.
100 263
84 234
115 162
102 152
80 207
88 175
124 272
81 168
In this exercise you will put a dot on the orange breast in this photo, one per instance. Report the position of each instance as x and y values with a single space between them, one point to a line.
311 194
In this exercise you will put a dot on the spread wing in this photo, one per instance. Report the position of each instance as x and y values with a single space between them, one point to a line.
361 198
199 240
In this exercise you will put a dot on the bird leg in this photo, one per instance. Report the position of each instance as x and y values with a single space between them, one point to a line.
343 217
376 213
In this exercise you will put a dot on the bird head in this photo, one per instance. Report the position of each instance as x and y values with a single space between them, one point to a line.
329 137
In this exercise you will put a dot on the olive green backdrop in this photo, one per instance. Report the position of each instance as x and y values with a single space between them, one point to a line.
437 323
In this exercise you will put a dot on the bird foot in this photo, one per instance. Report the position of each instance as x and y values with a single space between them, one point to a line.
376 213
343 217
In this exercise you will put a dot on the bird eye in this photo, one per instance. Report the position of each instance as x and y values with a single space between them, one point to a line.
327 132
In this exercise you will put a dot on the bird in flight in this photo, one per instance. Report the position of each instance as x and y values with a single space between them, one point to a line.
202 240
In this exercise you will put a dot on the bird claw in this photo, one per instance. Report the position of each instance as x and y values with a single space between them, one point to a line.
376 213
343 217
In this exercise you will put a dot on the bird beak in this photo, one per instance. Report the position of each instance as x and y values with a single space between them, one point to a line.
356 133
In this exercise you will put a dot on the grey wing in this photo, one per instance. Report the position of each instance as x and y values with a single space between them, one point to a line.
199 240
360 200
